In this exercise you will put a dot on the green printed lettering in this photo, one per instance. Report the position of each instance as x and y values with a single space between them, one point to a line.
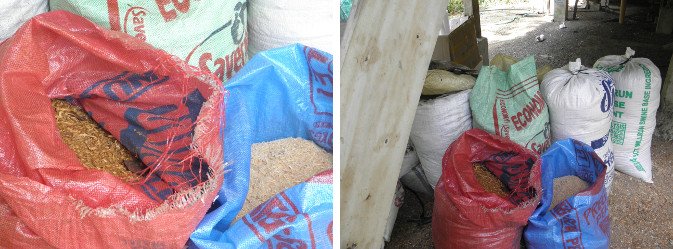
618 114
611 69
637 164
648 76
624 94
639 137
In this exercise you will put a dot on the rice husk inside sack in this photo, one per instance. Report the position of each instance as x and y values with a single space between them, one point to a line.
489 181
566 187
94 146
280 164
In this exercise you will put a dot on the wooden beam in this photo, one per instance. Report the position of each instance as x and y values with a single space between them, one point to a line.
622 11
385 53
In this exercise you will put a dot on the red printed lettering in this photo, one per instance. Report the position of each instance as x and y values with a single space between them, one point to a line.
205 57
597 211
270 215
140 32
569 225
238 59
531 111
281 241
563 208
503 109
168 13
575 241
137 21
539 148
327 125
222 66
321 137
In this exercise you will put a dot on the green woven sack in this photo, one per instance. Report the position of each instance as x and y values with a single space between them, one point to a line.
209 34
509 104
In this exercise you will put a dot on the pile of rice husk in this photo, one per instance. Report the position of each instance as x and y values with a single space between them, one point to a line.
278 165
489 181
94 146
566 187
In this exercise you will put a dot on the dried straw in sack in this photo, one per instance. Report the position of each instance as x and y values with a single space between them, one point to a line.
94 146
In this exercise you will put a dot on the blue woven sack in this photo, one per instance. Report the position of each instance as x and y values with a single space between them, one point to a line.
581 221
280 93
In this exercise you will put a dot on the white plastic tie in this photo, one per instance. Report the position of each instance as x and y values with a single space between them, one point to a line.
575 66
629 53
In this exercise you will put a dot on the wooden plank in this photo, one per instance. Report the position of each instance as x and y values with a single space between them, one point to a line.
463 45
385 53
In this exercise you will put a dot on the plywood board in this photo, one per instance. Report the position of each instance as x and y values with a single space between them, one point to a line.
385 52
463 45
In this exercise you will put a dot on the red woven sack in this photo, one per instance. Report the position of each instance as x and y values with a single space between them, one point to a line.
464 214
156 105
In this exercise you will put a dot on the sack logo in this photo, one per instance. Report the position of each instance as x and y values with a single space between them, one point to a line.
608 95
135 18
125 86
273 220
502 156
545 135
571 232
224 68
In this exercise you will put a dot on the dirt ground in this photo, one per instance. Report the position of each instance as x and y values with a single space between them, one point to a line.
640 213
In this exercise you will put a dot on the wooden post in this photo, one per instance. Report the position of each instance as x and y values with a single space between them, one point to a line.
477 20
472 9
666 93
665 19
622 11
385 53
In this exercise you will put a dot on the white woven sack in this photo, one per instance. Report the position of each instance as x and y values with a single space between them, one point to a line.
439 122
14 13
278 23
410 159
580 102
637 82
416 181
